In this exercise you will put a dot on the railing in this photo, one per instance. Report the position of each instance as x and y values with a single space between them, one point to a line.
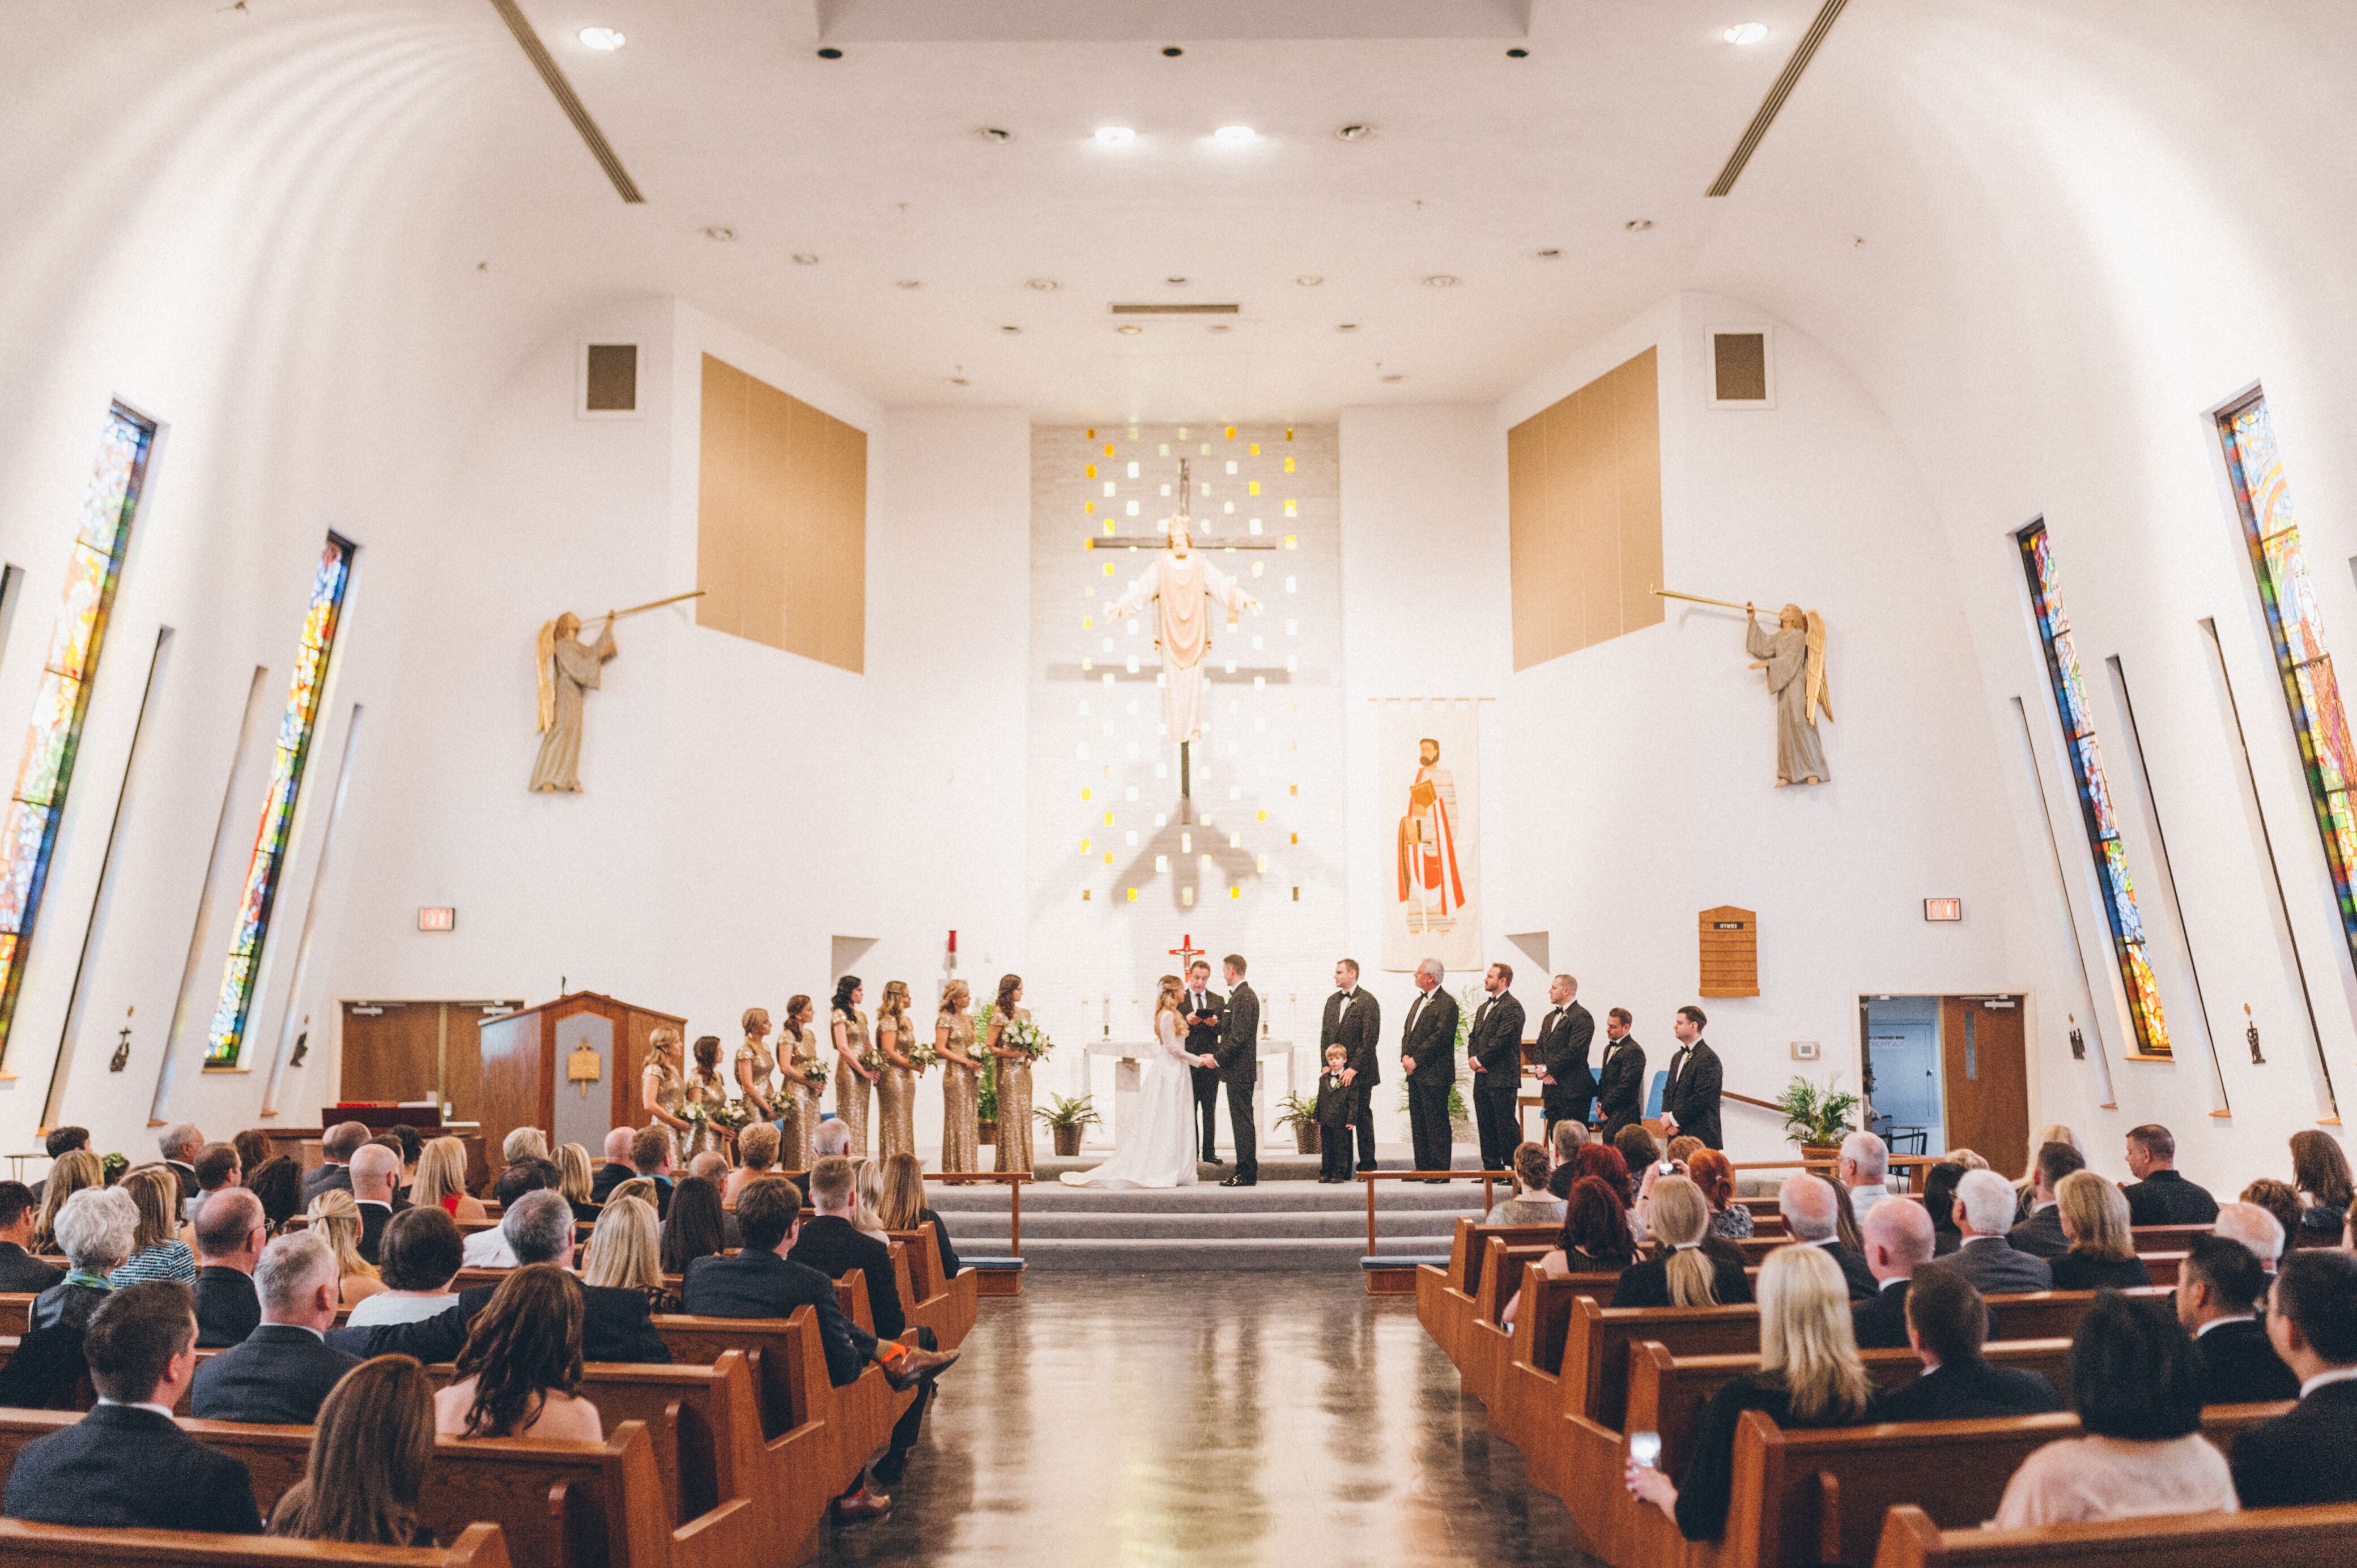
1488 1180
1014 1181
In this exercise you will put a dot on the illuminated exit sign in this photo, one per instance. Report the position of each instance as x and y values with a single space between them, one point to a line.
437 920
1944 908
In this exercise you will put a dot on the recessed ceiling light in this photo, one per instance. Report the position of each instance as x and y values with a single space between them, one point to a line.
1309 280
1171 51
1440 280
1129 330
1518 54
1347 326
718 231
1115 136
908 283
1746 33
605 41
992 134
1045 285
1549 255
1395 376
1354 132
830 52
804 259
1234 135
1637 225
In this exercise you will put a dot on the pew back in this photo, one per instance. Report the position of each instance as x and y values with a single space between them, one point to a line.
2316 1537
24 1545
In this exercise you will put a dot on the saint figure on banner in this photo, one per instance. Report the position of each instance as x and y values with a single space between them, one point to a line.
1179 584
1429 882
568 668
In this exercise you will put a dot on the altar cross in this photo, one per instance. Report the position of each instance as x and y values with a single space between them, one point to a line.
1186 953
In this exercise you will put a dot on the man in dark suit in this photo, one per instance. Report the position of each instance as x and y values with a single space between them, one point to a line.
337 1147
231 1231
2220 1290
2309 1453
1945 1323
1690 1099
20 1272
1355 1019
2040 1235
616 1168
1238 1054
375 1170
179 1145
1429 1057
61 1141
283 1372
1493 1048
1983 1212
1898 1241
127 1464
1812 1215
1620 1085
2159 1195
1198 1009
1567 1087
615 1325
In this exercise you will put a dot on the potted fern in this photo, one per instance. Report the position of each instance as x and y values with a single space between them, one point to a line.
1816 1118
1301 1115
1066 1120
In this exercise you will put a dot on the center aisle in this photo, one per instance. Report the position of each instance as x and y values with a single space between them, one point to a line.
1242 1421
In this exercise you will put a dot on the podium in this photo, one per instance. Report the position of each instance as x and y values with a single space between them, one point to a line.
527 1070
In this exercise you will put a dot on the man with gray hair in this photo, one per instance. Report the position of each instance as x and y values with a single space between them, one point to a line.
1429 1057
231 1231
1564 1141
1864 1168
1813 1215
179 1144
833 1137
1983 1213
337 1147
2255 1228
282 1372
538 1228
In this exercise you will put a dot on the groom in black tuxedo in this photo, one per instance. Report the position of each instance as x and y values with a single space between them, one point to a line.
1239 1056
1200 1008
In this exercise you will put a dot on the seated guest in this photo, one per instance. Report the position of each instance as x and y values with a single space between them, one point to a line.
285 1368
573 1168
1564 1143
1681 1274
833 1137
2095 1223
179 1145
638 1186
693 1228
2040 1234
253 1147
413 1148
94 1229
868 1199
337 1147
127 1464
1637 1147
157 1251
1594 1238
1711 1172
230 1232
651 1157
278 1183
1812 1215
1898 1243
1531 1204
520 1373
20 1272
904 1207
420 1256
1983 1214
489 1248
2266 1218
1864 1168
616 1168
1939 1203
442 1180
217 1166
2307 1455
369 1457
336 1220
615 1324
711 1165
756 1149
376 1171
1809 1376
1846 1229
626 1252
2219 1290
71 1173
2135 1381
61 1142
2159 1195
2026 1189
1945 1323
523 1144
2320 1170
1609 1166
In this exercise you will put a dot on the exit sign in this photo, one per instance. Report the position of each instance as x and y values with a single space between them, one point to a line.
437 920
1944 908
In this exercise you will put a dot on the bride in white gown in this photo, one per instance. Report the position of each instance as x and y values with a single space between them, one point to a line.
1156 1143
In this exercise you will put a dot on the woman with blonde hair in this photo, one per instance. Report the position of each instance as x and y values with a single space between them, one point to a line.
1156 1145
755 1065
798 1092
442 1180
961 1079
336 1220
2103 1248
1810 1375
896 1085
663 1087
1681 1272
69 1174
157 1251
370 1453
757 1148
867 1197
903 1208
1014 1076
523 1144
577 1180
626 1251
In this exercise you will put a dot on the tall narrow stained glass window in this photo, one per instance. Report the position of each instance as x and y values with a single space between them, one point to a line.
227 1039
2095 796
2272 533
38 803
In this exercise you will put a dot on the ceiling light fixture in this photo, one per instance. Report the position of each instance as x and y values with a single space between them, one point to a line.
1129 330
804 259
1115 136
1010 329
994 134
1440 280
1549 256
718 231
1309 280
1171 51
830 52
1354 132
1045 285
605 41
1744 34
1347 326
907 283
1518 54
1235 135
1637 225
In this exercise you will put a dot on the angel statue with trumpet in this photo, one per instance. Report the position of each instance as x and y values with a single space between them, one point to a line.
568 668
1793 655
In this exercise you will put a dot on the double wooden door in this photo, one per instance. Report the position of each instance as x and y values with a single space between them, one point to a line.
418 1051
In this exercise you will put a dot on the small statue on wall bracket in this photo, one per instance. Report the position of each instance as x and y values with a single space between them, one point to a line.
121 1056
302 1044
2251 1033
2078 1042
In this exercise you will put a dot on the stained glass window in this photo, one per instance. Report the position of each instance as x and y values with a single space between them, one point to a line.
295 731
2272 531
38 802
2095 797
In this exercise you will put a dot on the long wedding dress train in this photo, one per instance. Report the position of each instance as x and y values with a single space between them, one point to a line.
1156 1146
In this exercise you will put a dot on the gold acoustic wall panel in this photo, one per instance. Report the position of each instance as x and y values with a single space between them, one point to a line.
781 520
1584 514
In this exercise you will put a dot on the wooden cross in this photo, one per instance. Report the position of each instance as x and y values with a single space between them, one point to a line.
1186 953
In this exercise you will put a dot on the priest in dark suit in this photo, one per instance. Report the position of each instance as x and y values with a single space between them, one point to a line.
1354 1019
1494 1046
2309 1453
1621 1089
1238 1054
1690 1100
1429 1057
1566 1087
1199 1008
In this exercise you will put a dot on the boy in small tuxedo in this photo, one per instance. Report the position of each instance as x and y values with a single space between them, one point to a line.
1337 1105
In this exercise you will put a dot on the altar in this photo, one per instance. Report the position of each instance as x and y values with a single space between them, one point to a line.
1129 1061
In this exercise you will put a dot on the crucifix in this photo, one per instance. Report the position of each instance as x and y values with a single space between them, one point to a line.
1186 953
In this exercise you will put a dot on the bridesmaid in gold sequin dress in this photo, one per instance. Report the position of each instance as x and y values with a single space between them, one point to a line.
896 1088
797 1099
953 1038
707 1086
661 1091
1013 1079
853 1077
755 1065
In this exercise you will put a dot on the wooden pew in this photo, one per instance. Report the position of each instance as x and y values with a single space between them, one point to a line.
24 1545
2167 1238
1488 1348
2278 1538
1443 1298
1528 1397
947 1306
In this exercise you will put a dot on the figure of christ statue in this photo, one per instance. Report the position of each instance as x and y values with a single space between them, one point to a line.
568 668
1178 584
1429 882
1794 655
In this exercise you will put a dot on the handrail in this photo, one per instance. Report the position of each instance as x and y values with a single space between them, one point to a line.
1488 1180
1014 1181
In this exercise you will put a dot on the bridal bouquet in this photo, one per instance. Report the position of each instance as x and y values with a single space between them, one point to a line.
872 1060
923 1054
733 1115
1026 1035
815 1071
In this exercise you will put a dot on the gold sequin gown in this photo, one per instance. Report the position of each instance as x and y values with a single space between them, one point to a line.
850 1087
765 1072
895 1100
1015 1110
671 1093
797 1106
711 1093
961 1149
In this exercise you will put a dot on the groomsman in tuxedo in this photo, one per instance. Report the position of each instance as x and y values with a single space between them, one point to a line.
1690 1099
1238 1054
1428 1057
1620 1094
1494 1043
1354 1020
1201 1006
1565 1085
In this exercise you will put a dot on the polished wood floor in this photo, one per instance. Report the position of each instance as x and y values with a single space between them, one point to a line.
1230 1421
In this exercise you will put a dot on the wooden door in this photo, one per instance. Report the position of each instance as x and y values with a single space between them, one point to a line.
1985 1071
415 1050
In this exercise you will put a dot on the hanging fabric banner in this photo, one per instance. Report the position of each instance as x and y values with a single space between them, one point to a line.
1429 781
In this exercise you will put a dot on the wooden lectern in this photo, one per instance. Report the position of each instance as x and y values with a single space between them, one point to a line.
538 1068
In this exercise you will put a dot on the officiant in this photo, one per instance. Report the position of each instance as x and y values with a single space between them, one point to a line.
1239 1056
1200 1010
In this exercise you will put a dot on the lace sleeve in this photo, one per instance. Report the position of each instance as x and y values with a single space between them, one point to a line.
1165 1030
